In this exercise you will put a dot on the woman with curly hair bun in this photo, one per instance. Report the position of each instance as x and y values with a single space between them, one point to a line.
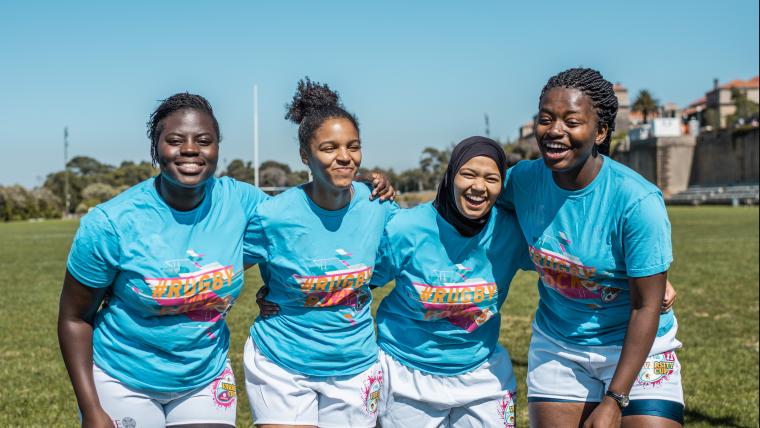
315 362
602 353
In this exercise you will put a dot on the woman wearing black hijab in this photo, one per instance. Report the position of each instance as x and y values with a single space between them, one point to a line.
438 330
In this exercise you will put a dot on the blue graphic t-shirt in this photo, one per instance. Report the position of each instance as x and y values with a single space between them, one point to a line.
585 244
174 276
443 316
317 264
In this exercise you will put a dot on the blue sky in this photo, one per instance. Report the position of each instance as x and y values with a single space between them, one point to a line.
415 73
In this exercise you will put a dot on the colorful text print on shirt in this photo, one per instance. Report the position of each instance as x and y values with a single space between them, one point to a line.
467 304
506 410
371 388
224 390
197 293
657 369
568 275
335 282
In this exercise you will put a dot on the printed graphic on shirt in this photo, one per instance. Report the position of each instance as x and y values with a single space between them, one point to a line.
334 281
466 303
371 392
506 410
657 369
198 291
224 390
567 274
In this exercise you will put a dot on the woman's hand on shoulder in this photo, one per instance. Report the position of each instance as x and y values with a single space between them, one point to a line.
381 186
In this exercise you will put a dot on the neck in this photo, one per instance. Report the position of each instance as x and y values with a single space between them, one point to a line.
178 197
328 197
578 178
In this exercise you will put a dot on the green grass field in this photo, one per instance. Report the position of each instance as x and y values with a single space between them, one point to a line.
715 273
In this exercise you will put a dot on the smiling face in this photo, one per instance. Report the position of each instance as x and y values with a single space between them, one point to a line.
188 148
334 153
477 185
567 129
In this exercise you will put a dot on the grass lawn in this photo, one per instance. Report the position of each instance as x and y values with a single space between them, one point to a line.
715 273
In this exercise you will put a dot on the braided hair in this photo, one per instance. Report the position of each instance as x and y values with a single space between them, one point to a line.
170 105
313 104
600 91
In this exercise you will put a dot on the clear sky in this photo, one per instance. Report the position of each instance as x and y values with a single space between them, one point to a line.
416 73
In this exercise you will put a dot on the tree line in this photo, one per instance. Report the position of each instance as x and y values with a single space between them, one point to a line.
91 182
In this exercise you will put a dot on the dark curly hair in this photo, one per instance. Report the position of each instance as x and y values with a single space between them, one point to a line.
170 105
598 89
314 103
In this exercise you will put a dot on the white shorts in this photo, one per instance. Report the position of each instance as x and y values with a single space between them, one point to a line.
561 372
484 397
280 396
129 407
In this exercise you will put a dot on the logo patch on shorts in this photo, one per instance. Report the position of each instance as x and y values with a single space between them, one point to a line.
371 392
506 410
126 422
657 369
223 389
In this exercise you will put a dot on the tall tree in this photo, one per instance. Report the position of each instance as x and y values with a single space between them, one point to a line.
645 103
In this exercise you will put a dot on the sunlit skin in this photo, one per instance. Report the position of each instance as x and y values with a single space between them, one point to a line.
188 152
334 157
567 128
476 187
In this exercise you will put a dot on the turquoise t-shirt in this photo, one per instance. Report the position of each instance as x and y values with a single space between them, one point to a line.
586 244
443 315
317 265
174 276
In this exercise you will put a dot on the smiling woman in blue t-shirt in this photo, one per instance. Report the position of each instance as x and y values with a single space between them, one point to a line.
169 251
601 353
315 362
452 261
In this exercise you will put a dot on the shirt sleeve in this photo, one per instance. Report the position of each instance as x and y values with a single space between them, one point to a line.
255 243
94 255
250 197
385 264
646 237
507 195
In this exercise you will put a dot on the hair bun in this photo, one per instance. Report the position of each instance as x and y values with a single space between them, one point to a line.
310 96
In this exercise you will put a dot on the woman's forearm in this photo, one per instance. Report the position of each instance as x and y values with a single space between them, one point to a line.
75 339
642 329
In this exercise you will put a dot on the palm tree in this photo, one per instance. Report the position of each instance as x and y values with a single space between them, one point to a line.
645 103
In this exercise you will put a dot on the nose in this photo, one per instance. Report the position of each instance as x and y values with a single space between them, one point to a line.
343 156
189 148
479 185
556 129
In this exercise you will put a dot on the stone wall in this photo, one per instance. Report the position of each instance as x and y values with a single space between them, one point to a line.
726 157
665 161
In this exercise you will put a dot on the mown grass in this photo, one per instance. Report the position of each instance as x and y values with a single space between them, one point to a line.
716 274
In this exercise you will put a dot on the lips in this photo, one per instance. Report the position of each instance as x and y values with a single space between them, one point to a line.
475 201
554 150
189 168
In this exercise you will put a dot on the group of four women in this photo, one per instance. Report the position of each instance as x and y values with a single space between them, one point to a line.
171 251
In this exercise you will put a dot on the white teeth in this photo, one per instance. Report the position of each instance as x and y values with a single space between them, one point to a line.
475 198
555 146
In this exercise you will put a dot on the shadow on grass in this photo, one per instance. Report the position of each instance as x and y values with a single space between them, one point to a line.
695 416
516 362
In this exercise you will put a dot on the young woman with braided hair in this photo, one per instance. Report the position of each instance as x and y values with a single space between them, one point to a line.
602 353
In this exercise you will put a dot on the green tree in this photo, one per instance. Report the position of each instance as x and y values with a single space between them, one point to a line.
645 103
745 108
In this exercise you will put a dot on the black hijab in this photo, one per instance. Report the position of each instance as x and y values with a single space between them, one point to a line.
444 200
